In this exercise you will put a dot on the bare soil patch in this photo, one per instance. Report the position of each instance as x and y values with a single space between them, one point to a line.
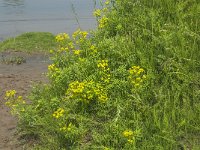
18 77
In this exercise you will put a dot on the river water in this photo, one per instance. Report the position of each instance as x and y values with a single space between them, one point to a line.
55 16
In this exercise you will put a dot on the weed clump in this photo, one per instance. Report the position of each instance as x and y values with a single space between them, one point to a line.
134 84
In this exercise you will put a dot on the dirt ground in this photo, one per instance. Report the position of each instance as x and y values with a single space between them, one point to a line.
18 77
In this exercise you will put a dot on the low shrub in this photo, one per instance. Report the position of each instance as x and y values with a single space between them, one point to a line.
131 84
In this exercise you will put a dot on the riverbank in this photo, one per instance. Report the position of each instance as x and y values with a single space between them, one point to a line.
23 63
131 84
20 78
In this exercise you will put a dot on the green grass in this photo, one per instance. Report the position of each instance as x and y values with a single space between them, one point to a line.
30 42
134 84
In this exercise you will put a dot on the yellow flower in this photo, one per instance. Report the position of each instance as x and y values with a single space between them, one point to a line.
71 45
93 49
140 70
63 49
136 75
128 133
84 34
103 64
20 100
86 91
76 87
77 52
103 22
80 34
10 93
52 67
97 13
58 113
62 36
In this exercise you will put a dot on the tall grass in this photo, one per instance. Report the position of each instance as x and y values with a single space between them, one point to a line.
134 84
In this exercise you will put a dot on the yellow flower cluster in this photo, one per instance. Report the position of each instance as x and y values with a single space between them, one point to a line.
100 12
86 91
63 49
77 52
76 87
93 49
129 135
13 101
71 45
103 64
103 22
79 35
97 13
54 71
53 68
21 100
58 113
101 16
10 93
66 43
136 75
105 75
67 128
61 37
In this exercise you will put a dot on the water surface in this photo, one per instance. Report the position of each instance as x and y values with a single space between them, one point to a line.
55 16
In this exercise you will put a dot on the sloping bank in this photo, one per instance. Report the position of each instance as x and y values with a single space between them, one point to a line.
134 84
23 63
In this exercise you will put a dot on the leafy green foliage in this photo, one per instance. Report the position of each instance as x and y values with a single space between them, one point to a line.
134 84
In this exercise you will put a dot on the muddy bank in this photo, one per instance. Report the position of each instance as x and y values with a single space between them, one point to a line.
18 77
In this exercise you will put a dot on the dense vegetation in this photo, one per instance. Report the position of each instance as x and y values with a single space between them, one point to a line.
134 83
